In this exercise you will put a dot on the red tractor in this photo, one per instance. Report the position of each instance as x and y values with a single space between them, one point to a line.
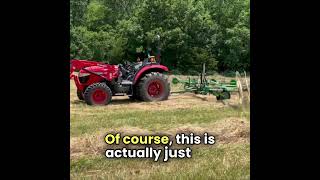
97 82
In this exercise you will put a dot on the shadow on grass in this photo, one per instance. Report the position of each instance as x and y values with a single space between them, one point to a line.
202 98
113 102
237 106
77 102
124 101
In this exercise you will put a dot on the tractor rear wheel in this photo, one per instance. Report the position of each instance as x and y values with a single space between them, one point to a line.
135 95
98 94
80 95
153 87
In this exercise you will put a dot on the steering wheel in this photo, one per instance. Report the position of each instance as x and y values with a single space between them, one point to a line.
127 65
126 62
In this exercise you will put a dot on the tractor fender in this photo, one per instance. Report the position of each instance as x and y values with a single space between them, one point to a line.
147 69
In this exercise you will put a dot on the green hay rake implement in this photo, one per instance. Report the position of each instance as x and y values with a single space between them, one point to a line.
222 90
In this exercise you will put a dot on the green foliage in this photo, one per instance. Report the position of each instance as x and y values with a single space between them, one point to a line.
192 32
77 11
95 16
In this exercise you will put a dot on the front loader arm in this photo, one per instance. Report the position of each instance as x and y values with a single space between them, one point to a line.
77 65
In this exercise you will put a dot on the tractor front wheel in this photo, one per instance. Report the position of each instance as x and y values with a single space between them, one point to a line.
80 95
98 94
153 87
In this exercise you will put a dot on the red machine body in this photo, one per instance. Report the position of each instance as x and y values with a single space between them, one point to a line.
117 79
76 65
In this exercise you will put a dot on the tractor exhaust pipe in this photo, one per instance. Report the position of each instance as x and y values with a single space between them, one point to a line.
158 56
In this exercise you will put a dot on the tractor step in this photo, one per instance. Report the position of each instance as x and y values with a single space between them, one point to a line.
126 82
119 94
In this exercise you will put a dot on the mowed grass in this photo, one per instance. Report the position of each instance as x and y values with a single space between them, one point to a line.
230 162
151 120
220 161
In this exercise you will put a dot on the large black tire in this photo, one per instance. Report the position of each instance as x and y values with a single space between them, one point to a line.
135 95
153 87
97 94
80 95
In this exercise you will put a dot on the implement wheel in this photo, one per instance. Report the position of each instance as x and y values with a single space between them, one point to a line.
224 95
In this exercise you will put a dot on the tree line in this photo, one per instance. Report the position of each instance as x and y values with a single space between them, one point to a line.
192 32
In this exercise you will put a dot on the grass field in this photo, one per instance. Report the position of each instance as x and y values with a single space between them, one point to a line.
229 158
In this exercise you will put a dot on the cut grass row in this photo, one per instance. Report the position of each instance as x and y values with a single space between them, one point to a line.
88 123
227 162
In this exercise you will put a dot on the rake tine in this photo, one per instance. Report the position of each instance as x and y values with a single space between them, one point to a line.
240 90
247 84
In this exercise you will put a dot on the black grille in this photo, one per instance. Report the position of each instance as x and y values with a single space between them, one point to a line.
83 79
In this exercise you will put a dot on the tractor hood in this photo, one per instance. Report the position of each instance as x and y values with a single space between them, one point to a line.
102 68
106 71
